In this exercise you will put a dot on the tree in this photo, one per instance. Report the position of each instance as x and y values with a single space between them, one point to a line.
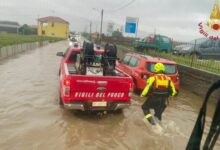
86 35
117 34
27 30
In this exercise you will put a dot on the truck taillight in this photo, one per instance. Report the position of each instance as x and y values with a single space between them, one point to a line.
66 88
131 86
67 82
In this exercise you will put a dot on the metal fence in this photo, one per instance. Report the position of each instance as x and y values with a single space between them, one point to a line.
201 54
193 61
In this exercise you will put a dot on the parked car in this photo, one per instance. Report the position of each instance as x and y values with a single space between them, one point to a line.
183 49
188 48
210 49
141 67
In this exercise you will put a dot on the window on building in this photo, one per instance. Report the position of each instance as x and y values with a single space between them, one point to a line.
45 24
43 32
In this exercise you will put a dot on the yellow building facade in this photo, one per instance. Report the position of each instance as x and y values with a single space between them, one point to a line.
53 27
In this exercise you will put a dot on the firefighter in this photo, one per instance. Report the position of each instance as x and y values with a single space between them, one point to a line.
157 90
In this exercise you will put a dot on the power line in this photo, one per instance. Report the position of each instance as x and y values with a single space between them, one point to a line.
122 7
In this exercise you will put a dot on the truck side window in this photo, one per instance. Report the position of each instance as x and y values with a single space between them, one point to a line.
165 39
133 62
73 57
126 59
66 52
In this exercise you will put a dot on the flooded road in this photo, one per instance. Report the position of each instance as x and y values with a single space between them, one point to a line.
31 118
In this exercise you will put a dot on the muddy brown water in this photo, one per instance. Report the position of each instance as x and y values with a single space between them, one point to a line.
31 118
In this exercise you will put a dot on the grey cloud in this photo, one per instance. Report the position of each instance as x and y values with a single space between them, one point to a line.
175 18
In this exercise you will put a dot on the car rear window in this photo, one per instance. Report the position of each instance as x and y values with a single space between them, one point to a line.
169 68
126 59
133 62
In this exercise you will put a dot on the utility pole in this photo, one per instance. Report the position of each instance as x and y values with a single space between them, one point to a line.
137 28
90 30
100 33
100 36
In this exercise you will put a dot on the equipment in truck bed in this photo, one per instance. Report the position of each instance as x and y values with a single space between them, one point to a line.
89 65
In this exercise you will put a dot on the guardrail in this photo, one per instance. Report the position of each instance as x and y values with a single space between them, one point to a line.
19 48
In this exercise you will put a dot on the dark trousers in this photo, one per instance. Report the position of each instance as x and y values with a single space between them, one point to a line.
156 102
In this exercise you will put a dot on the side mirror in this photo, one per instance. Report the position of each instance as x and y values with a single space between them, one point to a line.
60 54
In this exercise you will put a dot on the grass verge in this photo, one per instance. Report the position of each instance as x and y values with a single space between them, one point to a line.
11 39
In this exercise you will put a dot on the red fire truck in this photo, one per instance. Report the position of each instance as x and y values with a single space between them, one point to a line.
89 79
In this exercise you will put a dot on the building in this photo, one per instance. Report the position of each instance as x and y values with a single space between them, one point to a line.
53 26
9 27
95 35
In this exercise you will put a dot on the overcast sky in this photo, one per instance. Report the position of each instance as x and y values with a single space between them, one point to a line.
177 19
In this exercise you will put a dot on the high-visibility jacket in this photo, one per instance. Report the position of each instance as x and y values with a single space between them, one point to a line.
159 84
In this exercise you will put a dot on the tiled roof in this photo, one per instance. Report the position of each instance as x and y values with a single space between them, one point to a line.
10 23
53 19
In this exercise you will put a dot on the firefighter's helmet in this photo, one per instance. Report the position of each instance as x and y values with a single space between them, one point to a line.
159 67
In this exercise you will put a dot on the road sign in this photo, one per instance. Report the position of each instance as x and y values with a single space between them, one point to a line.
131 25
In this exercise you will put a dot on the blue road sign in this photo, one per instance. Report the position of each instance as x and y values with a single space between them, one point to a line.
130 27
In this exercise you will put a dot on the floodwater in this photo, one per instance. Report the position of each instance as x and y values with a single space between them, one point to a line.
31 118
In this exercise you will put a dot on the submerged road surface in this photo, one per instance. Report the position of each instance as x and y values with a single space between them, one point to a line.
31 119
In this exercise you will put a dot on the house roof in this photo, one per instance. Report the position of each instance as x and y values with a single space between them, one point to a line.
9 23
53 19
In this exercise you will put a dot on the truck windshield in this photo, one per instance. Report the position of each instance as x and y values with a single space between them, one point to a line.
169 68
165 40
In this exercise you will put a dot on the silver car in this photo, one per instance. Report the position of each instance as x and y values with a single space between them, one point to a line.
210 49
189 48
